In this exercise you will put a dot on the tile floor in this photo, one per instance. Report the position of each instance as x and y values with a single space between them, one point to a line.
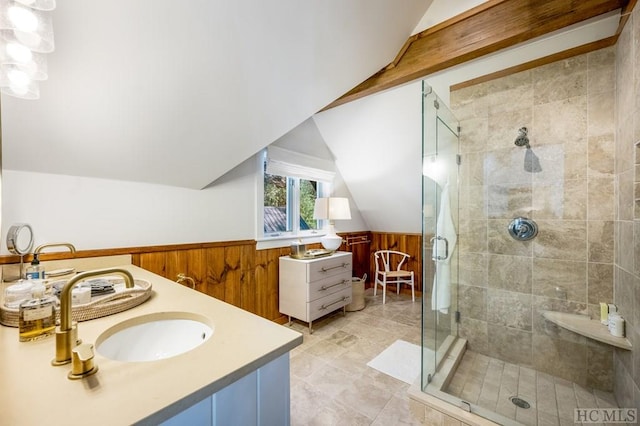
332 385
490 383
330 381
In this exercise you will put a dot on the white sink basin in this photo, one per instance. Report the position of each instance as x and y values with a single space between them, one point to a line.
155 336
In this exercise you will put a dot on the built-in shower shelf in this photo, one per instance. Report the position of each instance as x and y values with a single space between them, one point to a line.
587 327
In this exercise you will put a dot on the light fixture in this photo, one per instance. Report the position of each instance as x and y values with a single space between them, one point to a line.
17 83
26 32
332 208
17 56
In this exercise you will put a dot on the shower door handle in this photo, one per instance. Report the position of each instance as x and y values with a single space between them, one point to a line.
434 248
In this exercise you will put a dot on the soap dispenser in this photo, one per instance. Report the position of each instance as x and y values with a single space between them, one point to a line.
35 271
37 316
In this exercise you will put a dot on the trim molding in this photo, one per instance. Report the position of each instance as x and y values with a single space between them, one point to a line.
8 259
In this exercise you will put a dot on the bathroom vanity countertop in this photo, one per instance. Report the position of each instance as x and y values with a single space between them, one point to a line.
33 392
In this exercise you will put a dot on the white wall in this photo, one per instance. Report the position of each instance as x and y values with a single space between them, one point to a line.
441 10
96 213
377 144
145 104
376 141
179 93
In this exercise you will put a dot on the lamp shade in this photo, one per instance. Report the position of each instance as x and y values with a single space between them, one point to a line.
332 208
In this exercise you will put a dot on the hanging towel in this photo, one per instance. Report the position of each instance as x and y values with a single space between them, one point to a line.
441 297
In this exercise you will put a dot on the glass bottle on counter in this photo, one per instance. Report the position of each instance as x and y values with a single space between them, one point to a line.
37 316
35 271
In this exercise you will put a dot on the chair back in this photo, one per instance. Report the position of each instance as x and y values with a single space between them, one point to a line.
389 260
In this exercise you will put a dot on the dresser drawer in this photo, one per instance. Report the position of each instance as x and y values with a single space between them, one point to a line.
328 267
330 303
329 285
312 288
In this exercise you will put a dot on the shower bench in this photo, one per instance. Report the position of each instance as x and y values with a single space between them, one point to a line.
587 327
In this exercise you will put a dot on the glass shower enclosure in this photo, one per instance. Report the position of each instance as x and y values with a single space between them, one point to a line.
440 163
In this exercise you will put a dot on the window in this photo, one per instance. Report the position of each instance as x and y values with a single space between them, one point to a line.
288 205
289 192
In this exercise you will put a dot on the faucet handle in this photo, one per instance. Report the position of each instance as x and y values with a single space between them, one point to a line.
183 277
66 340
82 361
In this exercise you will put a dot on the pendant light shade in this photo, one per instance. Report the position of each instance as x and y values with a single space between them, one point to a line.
26 33
15 55
17 83
46 5
32 28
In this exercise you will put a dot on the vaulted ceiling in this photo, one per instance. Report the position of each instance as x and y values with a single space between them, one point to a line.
486 29
179 94
374 130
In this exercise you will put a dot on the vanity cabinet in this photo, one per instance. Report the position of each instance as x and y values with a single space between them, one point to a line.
262 397
311 288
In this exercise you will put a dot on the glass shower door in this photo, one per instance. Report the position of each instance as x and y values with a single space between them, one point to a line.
440 160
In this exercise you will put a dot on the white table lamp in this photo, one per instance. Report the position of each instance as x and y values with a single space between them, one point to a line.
332 208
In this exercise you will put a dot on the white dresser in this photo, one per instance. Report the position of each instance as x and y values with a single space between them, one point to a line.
311 288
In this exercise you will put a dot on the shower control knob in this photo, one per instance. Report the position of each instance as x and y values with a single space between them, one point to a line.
523 229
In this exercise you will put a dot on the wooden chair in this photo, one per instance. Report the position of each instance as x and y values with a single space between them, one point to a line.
389 271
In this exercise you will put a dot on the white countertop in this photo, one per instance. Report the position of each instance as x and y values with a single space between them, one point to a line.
32 392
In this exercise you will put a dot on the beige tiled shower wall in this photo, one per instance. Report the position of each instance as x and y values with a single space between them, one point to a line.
566 183
627 217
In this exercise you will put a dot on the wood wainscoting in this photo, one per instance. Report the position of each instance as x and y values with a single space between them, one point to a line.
239 274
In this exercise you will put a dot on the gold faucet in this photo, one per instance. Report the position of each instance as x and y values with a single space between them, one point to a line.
43 246
67 331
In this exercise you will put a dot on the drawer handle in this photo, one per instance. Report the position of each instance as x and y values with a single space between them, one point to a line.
323 307
344 265
324 287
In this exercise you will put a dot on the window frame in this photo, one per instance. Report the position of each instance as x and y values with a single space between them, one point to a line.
323 189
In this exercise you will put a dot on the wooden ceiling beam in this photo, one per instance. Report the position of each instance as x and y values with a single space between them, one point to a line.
487 28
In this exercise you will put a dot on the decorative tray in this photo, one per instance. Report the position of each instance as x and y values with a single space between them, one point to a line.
313 254
100 306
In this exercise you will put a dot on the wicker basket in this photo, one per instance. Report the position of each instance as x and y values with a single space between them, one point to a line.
100 306
357 294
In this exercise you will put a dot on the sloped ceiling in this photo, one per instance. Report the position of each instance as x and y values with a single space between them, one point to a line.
487 28
377 139
178 93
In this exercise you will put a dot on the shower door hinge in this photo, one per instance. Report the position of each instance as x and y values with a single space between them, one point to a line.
459 130
457 315
436 104
458 159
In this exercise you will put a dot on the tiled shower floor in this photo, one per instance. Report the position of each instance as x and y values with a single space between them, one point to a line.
490 383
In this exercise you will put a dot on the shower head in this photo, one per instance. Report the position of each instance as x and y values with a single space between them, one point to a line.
522 139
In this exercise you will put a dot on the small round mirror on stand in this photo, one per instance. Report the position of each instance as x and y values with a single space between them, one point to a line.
20 242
